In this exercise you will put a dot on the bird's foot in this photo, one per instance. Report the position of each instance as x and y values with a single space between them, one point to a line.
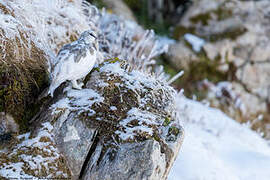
75 85
81 84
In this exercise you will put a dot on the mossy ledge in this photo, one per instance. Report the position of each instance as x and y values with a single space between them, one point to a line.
118 94
125 106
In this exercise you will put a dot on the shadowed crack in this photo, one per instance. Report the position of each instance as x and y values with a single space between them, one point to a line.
91 151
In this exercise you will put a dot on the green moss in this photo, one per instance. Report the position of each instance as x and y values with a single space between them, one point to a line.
231 33
228 34
156 137
114 95
117 94
167 121
98 3
22 77
180 31
173 131
18 91
197 71
112 60
219 14
201 18
55 164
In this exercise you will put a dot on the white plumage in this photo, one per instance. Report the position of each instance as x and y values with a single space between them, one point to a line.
74 61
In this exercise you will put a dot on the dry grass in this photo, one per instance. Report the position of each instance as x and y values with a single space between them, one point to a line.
23 74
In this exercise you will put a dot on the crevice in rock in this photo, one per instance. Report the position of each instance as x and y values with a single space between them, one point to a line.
89 154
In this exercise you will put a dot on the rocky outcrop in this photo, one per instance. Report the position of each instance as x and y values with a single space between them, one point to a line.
236 32
121 126
236 35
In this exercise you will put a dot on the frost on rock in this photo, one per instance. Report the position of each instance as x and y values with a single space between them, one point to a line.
77 100
33 157
119 108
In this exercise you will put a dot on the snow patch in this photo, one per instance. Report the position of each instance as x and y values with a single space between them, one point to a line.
37 154
78 100
196 42
217 147
71 134
144 121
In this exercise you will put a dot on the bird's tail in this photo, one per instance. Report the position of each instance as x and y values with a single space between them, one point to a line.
53 86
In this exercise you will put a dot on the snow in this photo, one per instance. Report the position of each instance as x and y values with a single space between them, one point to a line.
196 42
113 108
77 100
72 134
32 154
145 122
216 147
13 169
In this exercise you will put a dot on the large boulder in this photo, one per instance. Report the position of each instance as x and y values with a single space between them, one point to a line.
122 125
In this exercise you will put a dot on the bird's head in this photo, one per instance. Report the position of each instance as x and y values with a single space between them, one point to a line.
89 37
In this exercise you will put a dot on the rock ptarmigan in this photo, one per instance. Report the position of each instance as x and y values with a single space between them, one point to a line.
74 61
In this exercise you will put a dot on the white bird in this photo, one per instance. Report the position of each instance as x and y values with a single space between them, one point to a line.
74 61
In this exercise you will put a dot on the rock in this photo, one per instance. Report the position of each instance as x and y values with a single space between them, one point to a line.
122 125
7 124
180 55
239 104
237 32
32 156
236 35
130 162
120 8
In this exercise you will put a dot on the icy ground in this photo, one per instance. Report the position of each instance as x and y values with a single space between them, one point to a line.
218 148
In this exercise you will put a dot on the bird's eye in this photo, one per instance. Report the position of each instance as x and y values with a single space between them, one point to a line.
91 34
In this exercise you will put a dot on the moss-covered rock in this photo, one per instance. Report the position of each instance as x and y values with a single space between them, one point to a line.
31 157
118 108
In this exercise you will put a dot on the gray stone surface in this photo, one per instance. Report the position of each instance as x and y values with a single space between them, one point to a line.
7 124
141 161
120 8
74 140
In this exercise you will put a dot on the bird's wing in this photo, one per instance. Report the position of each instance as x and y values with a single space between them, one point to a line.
75 49
66 51
78 50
